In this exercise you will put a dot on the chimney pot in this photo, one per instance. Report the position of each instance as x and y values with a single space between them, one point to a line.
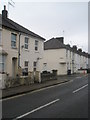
68 45
4 7
4 12
74 47
80 50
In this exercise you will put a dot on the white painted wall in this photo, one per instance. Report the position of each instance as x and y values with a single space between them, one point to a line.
55 59
29 55
63 60
6 46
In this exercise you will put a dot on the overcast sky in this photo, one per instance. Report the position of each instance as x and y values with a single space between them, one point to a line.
50 19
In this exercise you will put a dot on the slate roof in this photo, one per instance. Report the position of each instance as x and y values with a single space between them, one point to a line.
8 23
53 43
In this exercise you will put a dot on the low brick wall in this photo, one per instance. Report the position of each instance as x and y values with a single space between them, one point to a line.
48 76
13 82
23 80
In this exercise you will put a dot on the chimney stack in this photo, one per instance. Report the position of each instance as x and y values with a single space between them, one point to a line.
75 47
80 50
61 39
68 45
4 12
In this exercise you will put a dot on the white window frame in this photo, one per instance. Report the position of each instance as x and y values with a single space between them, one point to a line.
26 66
34 65
2 62
25 69
13 40
45 66
66 53
36 45
26 43
70 54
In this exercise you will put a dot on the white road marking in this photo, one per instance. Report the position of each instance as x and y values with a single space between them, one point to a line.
9 98
21 116
80 88
4 99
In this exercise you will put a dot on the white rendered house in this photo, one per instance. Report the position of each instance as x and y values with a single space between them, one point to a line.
21 48
63 58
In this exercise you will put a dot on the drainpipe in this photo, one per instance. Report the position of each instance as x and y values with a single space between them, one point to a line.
19 51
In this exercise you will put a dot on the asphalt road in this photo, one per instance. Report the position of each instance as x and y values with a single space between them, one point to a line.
68 100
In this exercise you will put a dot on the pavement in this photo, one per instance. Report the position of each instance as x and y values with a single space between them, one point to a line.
28 88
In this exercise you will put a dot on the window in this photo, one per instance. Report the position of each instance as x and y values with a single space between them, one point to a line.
35 66
70 54
66 53
26 63
45 66
25 70
26 66
13 40
36 45
26 42
2 63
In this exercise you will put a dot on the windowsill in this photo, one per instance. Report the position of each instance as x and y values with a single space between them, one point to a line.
14 47
27 50
23 76
36 51
2 72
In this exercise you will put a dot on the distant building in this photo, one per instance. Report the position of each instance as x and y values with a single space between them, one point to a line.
62 57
